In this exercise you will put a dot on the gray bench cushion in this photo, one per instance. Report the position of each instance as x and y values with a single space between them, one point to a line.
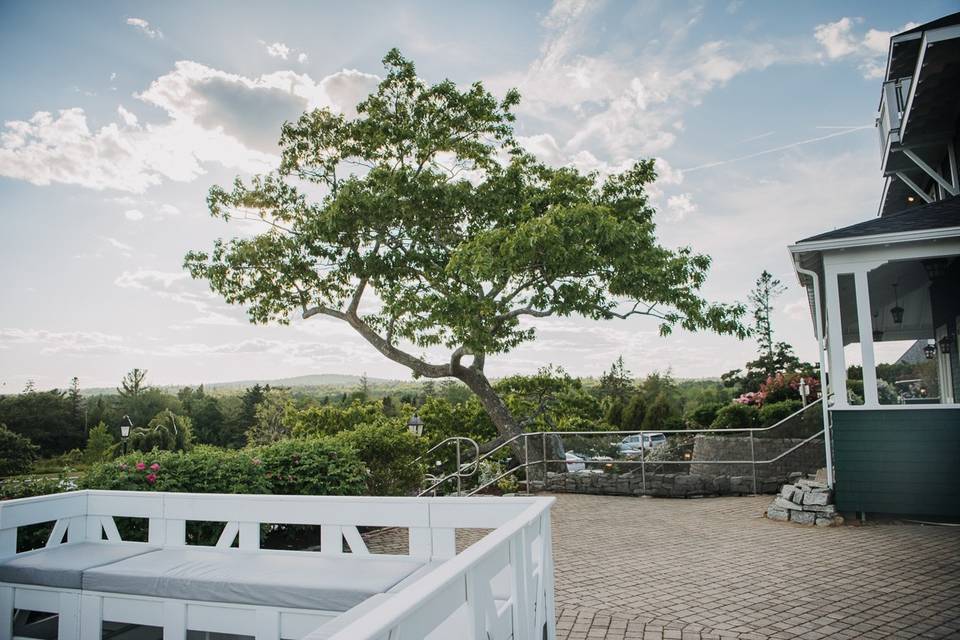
305 580
63 565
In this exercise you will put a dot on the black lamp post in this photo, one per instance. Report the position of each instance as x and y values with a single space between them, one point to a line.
415 425
125 425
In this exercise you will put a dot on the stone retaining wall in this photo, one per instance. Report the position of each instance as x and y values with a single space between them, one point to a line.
807 459
663 485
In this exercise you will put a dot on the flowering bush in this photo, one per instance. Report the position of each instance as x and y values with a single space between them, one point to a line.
779 388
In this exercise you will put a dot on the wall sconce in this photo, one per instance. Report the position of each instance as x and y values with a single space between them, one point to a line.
930 351
946 344
936 267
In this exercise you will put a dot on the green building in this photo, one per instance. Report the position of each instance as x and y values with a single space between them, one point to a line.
885 298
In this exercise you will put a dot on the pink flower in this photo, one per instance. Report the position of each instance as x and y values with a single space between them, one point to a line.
141 466
155 467
151 478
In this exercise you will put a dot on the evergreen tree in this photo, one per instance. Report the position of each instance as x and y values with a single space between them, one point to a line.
616 382
132 384
765 291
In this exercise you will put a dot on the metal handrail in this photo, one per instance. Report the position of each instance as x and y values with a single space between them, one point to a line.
642 462
459 474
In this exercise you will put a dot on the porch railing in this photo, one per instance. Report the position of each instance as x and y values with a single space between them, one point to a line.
533 441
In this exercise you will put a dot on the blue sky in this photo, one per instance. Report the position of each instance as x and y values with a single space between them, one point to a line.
116 117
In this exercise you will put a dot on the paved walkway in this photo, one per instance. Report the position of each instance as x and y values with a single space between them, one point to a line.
641 568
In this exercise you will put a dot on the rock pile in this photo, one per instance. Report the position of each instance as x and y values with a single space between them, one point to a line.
805 502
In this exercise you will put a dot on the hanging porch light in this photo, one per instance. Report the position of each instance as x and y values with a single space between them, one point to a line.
897 311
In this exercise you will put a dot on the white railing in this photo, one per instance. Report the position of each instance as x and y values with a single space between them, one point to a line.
500 588
893 102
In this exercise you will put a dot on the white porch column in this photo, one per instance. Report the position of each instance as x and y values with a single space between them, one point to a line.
838 369
865 322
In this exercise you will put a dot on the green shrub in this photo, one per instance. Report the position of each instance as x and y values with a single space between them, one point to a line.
389 450
166 431
205 469
29 486
771 413
17 452
702 416
735 416
313 466
99 445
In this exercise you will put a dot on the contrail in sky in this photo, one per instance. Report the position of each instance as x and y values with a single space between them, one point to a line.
710 165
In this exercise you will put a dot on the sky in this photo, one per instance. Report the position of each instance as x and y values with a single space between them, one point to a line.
117 117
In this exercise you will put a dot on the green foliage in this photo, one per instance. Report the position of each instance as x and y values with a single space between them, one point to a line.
541 401
736 416
203 469
17 452
331 419
312 466
773 412
617 382
271 423
702 416
634 413
45 417
661 414
765 291
456 230
613 412
389 450
29 486
443 419
99 445
166 431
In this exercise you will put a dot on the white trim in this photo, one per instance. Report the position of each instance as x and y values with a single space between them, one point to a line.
896 407
876 239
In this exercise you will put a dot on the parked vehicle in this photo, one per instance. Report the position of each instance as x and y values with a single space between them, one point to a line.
574 462
635 443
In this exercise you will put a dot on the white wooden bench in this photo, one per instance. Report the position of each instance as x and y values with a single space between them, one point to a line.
500 588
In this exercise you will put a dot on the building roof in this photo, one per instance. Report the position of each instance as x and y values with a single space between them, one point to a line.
936 215
905 46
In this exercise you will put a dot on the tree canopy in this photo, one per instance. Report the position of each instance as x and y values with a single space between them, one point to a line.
423 223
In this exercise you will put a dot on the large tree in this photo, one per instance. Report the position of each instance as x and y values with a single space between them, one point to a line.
422 224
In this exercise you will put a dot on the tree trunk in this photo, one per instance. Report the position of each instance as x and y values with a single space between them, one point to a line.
508 427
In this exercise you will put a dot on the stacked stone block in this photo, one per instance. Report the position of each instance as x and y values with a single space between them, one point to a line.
805 502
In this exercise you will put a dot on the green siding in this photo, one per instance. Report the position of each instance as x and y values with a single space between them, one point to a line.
898 461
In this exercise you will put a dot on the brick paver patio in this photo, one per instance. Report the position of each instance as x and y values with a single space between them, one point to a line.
639 568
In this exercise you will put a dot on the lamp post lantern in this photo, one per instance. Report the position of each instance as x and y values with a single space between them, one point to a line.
125 425
415 425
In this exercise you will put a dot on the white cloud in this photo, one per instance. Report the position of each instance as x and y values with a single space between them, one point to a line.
72 342
134 215
128 118
838 41
277 50
124 249
212 117
303 58
149 279
144 27
178 287
680 206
